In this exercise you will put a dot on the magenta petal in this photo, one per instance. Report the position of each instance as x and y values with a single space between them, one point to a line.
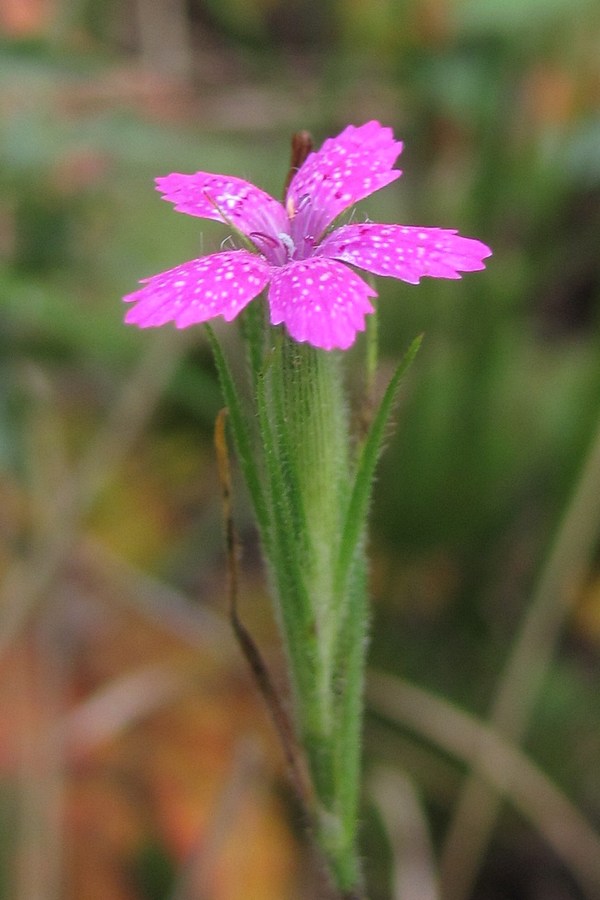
405 252
347 168
218 285
226 199
320 301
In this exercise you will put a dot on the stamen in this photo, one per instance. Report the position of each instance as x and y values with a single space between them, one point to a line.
293 209
303 202
228 243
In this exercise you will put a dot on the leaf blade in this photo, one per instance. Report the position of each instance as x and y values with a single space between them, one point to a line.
354 524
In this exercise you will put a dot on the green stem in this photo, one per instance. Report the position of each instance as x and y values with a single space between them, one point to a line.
311 495
303 421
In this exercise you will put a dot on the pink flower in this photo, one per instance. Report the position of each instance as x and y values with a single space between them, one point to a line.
312 290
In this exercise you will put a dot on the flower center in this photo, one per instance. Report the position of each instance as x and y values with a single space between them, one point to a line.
286 246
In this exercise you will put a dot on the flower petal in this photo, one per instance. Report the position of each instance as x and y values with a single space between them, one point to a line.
226 199
320 301
405 252
347 168
218 285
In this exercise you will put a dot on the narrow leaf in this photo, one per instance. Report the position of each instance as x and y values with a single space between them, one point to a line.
354 524
241 436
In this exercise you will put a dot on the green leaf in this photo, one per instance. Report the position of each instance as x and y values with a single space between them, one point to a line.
271 507
241 436
354 523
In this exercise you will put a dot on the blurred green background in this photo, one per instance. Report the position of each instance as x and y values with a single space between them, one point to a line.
128 724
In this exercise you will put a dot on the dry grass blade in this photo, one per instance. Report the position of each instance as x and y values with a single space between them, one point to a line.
122 703
503 768
194 624
413 875
197 876
28 580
